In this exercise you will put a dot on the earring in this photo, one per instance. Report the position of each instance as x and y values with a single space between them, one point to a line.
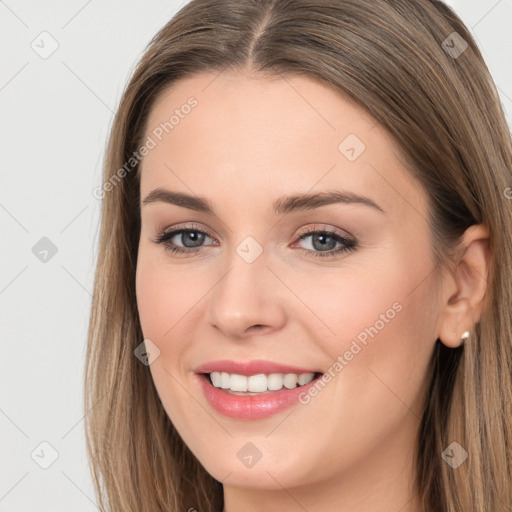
464 337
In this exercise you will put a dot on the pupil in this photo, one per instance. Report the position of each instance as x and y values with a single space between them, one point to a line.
196 237
324 242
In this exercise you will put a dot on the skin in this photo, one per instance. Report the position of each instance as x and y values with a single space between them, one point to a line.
248 142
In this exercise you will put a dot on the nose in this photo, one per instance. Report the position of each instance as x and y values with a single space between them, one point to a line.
247 300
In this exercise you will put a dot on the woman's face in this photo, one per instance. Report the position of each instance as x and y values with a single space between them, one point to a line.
265 284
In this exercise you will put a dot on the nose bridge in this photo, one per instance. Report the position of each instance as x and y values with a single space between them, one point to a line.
245 295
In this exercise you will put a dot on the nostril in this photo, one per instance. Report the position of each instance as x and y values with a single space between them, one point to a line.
258 326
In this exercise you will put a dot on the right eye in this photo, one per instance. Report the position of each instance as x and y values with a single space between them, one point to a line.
190 239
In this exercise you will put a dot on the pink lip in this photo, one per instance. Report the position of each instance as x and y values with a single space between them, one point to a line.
245 406
250 367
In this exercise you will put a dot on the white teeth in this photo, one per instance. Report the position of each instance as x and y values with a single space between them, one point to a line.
275 381
304 378
290 380
224 380
259 383
216 379
237 382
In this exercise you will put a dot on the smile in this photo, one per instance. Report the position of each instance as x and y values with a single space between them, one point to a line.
253 390
260 383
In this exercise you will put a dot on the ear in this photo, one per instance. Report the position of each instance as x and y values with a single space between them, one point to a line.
464 290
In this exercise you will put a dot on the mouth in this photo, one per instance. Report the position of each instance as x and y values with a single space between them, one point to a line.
258 384
248 395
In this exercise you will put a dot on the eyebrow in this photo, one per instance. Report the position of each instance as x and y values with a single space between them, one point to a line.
282 205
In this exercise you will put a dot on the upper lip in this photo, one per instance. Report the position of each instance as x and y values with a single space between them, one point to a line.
247 368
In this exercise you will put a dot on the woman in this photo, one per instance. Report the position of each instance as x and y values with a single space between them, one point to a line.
302 298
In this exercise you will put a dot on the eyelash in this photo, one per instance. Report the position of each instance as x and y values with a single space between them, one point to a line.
164 237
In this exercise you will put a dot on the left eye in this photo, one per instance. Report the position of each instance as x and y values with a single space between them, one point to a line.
323 243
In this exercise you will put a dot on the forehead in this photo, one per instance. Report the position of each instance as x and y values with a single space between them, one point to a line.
282 135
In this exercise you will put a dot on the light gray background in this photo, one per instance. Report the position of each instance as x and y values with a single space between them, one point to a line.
56 114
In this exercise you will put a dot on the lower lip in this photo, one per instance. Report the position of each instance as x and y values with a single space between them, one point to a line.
251 407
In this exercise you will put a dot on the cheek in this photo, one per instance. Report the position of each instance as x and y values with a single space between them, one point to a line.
163 297
353 304
380 351
378 330
165 301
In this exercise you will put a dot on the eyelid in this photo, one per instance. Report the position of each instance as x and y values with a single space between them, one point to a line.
186 227
325 228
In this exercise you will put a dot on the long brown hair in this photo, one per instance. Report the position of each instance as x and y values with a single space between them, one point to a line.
444 112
